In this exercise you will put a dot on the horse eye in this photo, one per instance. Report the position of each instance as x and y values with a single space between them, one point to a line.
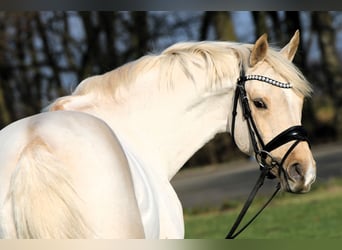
259 103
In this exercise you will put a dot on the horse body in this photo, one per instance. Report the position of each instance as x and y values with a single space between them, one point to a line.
63 146
108 151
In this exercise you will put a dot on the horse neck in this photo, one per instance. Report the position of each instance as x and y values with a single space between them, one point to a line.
164 128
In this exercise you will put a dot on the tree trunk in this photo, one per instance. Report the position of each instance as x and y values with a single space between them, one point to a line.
49 54
139 34
222 24
331 64
259 18
107 21
90 54
5 116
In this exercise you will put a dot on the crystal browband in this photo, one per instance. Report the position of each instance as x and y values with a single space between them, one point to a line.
267 80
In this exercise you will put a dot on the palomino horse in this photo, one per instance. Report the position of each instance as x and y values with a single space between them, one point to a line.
98 164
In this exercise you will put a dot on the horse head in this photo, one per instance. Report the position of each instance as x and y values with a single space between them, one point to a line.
274 92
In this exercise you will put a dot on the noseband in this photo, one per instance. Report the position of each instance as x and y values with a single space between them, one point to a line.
262 152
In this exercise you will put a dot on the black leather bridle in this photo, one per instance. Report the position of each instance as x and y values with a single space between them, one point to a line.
262 152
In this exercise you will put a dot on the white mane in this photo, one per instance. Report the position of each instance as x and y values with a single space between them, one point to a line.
217 59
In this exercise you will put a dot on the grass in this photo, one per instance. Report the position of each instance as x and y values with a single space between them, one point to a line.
316 215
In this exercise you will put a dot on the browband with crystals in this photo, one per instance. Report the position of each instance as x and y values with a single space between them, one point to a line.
267 80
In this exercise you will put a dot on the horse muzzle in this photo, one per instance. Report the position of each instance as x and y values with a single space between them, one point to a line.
299 171
296 169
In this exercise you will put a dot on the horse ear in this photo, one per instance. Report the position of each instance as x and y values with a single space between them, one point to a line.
289 51
259 50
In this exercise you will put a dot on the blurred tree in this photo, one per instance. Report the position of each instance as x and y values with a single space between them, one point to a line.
140 34
221 22
107 20
322 24
45 54
5 114
259 18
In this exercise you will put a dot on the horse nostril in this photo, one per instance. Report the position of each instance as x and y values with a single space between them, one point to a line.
296 172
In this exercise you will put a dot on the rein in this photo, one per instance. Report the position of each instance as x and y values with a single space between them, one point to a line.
262 152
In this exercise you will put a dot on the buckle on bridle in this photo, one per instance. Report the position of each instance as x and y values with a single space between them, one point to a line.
266 160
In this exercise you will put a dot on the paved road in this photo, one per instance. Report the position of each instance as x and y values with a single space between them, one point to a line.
212 186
